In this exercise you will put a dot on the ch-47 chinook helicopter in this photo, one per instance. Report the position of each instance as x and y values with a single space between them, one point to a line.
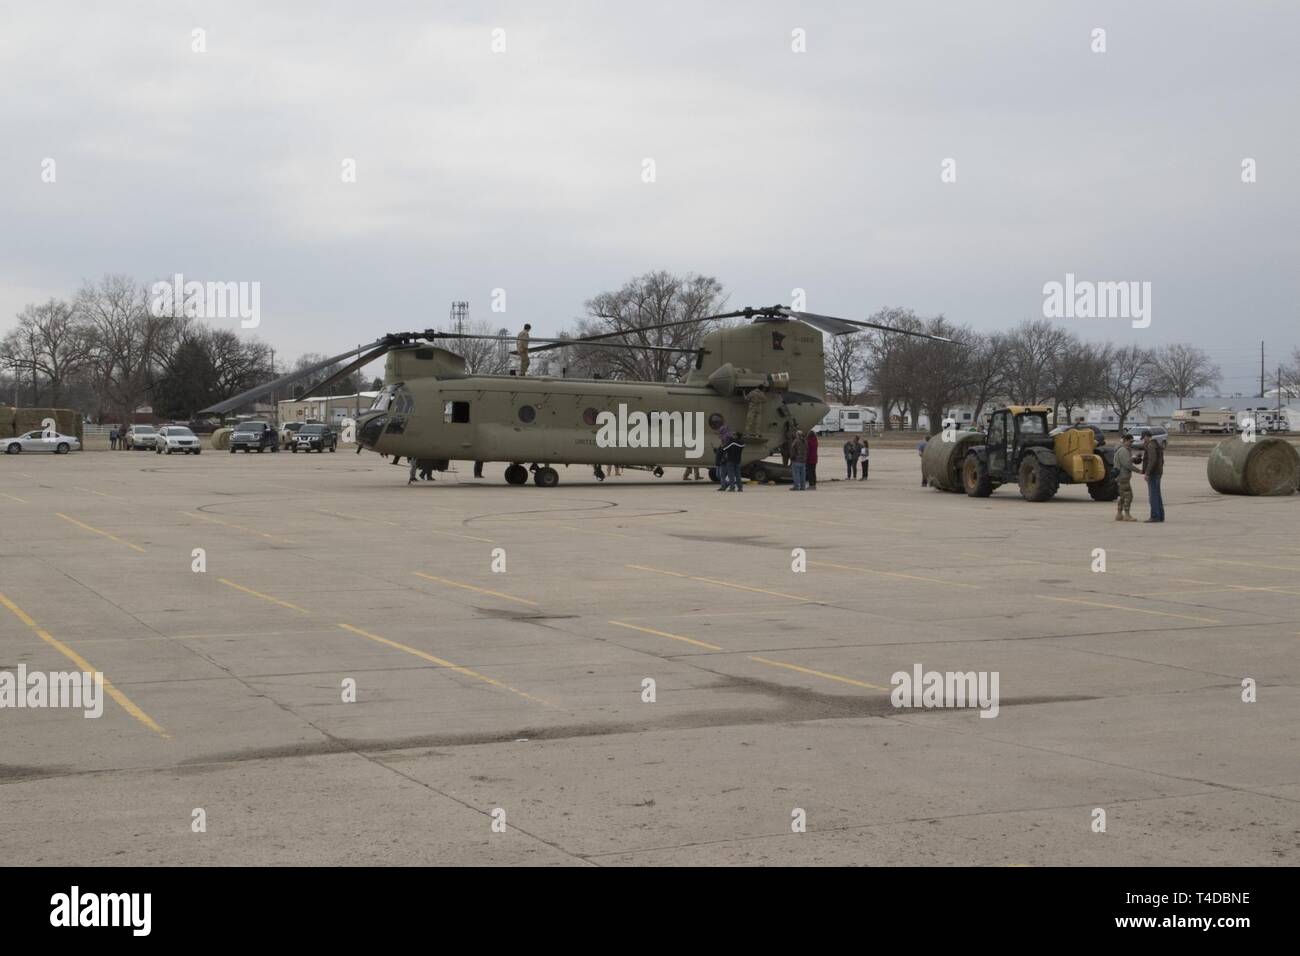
432 410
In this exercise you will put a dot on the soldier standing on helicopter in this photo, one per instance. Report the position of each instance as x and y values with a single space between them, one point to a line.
521 348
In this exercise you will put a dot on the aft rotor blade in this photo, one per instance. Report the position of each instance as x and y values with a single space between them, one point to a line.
243 398
837 326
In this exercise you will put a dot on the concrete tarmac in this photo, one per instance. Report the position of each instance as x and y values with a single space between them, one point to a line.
516 699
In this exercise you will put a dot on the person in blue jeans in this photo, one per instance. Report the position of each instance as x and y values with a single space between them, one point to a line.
799 462
1153 468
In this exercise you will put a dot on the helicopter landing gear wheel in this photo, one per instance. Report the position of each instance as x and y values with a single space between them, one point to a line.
516 475
546 477
658 472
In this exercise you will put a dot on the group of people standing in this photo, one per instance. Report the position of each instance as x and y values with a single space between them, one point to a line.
1151 466
857 449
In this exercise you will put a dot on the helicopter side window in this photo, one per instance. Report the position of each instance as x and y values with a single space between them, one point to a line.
455 413
403 403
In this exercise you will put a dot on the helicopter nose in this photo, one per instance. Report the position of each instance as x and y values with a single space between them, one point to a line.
369 428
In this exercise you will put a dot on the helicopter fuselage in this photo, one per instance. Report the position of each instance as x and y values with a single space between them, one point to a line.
550 420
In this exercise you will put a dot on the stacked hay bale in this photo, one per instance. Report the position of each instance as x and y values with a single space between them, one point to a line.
67 421
941 462
1265 466
220 439
7 421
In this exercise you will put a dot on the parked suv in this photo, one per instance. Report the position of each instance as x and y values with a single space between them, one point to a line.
176 438
139 436
315 438
252 436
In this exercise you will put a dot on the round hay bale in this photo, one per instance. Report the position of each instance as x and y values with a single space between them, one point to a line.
220 439
1265 466
941 462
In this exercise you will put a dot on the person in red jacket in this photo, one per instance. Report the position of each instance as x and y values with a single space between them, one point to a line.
812 460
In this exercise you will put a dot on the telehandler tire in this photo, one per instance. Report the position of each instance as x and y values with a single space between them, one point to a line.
1037 481
975 479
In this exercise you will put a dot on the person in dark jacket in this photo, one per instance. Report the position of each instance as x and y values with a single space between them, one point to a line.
1153 468
735 450
812 460
852 452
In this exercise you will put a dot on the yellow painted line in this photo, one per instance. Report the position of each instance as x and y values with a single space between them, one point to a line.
725 584
675 637
231 524
470 587
895 574
114 537
1210 586
442 663
809 670
100 493
264 597
122 700
21 501
1135 610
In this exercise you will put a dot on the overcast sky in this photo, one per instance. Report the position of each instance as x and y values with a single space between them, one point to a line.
775 170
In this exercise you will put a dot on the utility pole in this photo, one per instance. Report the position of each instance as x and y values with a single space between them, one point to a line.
1261 369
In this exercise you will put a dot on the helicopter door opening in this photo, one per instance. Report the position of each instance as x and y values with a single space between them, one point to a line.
455 415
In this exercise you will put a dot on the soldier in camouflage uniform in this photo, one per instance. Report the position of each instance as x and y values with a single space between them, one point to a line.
1124 464
757 399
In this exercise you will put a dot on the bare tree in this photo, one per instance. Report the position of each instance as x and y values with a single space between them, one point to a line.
1183 369
129 342
1077 374
651 299
890 363
988 360
845 359
1033 348
1132 377
483 356
51 345
943 372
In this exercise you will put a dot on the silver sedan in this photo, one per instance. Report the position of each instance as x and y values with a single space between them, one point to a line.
41 441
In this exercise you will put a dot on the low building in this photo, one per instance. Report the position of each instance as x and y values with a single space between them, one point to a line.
332 409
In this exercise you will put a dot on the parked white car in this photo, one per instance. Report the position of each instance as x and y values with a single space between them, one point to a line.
139 436
177 438
40 440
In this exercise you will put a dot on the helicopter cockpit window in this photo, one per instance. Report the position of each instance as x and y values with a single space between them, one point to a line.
380 404
402 402
456 413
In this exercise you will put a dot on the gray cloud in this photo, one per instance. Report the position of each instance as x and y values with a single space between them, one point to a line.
775 170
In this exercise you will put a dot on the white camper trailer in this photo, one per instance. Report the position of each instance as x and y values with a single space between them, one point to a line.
847 418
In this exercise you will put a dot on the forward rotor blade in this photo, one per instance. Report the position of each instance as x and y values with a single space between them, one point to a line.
558 343
243 398
347 370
